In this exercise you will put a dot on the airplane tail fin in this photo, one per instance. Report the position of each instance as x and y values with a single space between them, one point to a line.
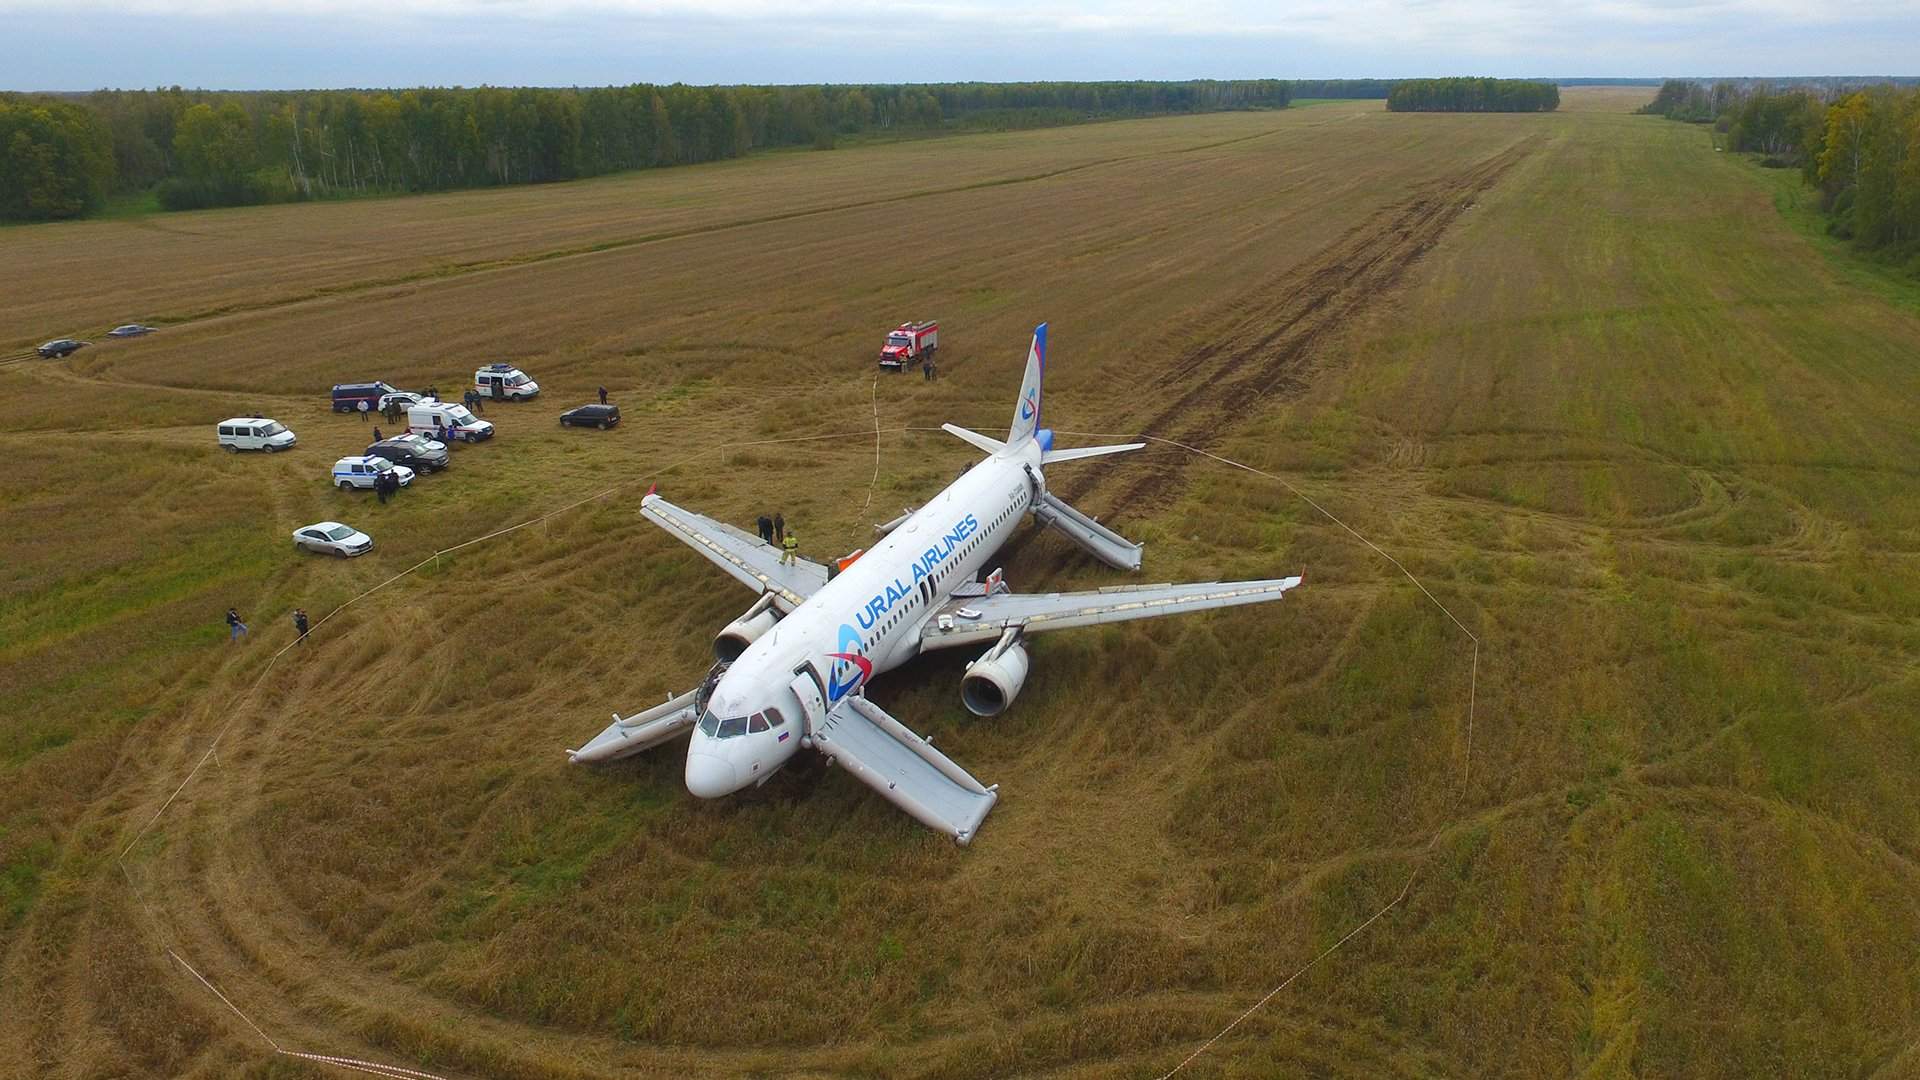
1026 414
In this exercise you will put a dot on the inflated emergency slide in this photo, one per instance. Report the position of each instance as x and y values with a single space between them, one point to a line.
904 768
1103 543
642 731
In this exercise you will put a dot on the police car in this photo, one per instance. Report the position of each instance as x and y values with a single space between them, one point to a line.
504 382
362 472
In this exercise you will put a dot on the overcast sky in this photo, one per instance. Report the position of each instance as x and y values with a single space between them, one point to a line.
279 44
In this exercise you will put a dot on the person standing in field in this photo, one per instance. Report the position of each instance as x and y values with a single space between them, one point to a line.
376 433
603 395
926 368
788 548
366 411
766 528
235 628
300 625
779 527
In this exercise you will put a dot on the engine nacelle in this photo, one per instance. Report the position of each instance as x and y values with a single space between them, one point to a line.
994 680
734 638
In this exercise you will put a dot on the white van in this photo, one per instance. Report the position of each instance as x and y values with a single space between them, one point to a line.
254 433
439 420
504 382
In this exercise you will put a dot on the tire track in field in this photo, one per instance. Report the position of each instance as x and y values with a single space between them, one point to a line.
1272 342
459 270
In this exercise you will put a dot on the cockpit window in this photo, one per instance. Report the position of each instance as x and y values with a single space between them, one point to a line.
774 719
709 724
758 723
733 725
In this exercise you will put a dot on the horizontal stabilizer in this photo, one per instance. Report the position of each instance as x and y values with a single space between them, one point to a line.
1103 543
1080 452
986 443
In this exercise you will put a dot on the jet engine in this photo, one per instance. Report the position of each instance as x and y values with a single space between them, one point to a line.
734 638
994 680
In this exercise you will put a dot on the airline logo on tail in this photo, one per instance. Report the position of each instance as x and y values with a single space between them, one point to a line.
1027 405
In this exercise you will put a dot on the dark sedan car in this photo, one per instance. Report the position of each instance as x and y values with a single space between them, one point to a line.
59 347
600 416
414 451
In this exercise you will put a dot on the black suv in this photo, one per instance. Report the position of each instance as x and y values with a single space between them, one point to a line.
600 416
414 451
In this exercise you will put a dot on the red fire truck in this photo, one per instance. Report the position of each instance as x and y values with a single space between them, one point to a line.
908 344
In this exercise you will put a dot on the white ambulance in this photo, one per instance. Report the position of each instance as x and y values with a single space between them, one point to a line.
504 382
440 420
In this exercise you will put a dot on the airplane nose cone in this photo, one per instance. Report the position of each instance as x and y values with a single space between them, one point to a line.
710 777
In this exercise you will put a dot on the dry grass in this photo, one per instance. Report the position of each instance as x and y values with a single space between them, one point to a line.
1569 367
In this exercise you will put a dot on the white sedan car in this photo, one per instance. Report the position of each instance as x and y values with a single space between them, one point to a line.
406 399
333 538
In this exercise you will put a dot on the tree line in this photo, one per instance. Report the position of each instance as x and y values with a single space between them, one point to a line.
1342 88
1858 146
65 155
1473 95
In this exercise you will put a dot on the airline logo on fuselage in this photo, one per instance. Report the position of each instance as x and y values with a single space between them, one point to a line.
838 685
923 567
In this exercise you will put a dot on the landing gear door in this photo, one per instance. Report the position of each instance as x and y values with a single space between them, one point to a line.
813 697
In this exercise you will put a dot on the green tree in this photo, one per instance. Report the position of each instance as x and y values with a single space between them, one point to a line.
58 160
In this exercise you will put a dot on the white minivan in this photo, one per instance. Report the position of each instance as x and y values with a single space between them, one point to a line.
439 420
254 433
504 382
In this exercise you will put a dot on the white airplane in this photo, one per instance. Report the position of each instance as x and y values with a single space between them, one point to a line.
792 669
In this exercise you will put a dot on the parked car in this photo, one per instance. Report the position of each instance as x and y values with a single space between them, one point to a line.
132 329
417 452
600 416
406 399
59 347
254 433
360 472
333 538
348 396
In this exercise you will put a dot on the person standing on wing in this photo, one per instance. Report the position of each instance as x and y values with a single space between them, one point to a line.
788 548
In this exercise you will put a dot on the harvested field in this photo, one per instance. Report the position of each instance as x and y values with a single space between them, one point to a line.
1653 449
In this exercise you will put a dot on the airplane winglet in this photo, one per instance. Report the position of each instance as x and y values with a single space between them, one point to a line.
652 490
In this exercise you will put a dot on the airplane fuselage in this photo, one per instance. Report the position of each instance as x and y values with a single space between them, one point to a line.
864 622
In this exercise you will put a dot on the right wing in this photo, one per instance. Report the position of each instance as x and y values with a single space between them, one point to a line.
971 620
751 560
904 768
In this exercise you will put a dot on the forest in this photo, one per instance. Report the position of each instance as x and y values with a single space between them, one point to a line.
1342 88
1859 146
66 155
1473 95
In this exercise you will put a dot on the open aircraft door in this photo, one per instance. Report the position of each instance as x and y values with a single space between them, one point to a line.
812 692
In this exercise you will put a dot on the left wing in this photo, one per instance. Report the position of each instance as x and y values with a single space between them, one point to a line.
972 619
751 560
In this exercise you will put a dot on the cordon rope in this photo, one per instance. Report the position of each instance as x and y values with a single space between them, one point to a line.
1466 765
401 1073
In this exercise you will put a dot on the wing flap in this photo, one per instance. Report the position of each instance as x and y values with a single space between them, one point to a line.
750 560
987 618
